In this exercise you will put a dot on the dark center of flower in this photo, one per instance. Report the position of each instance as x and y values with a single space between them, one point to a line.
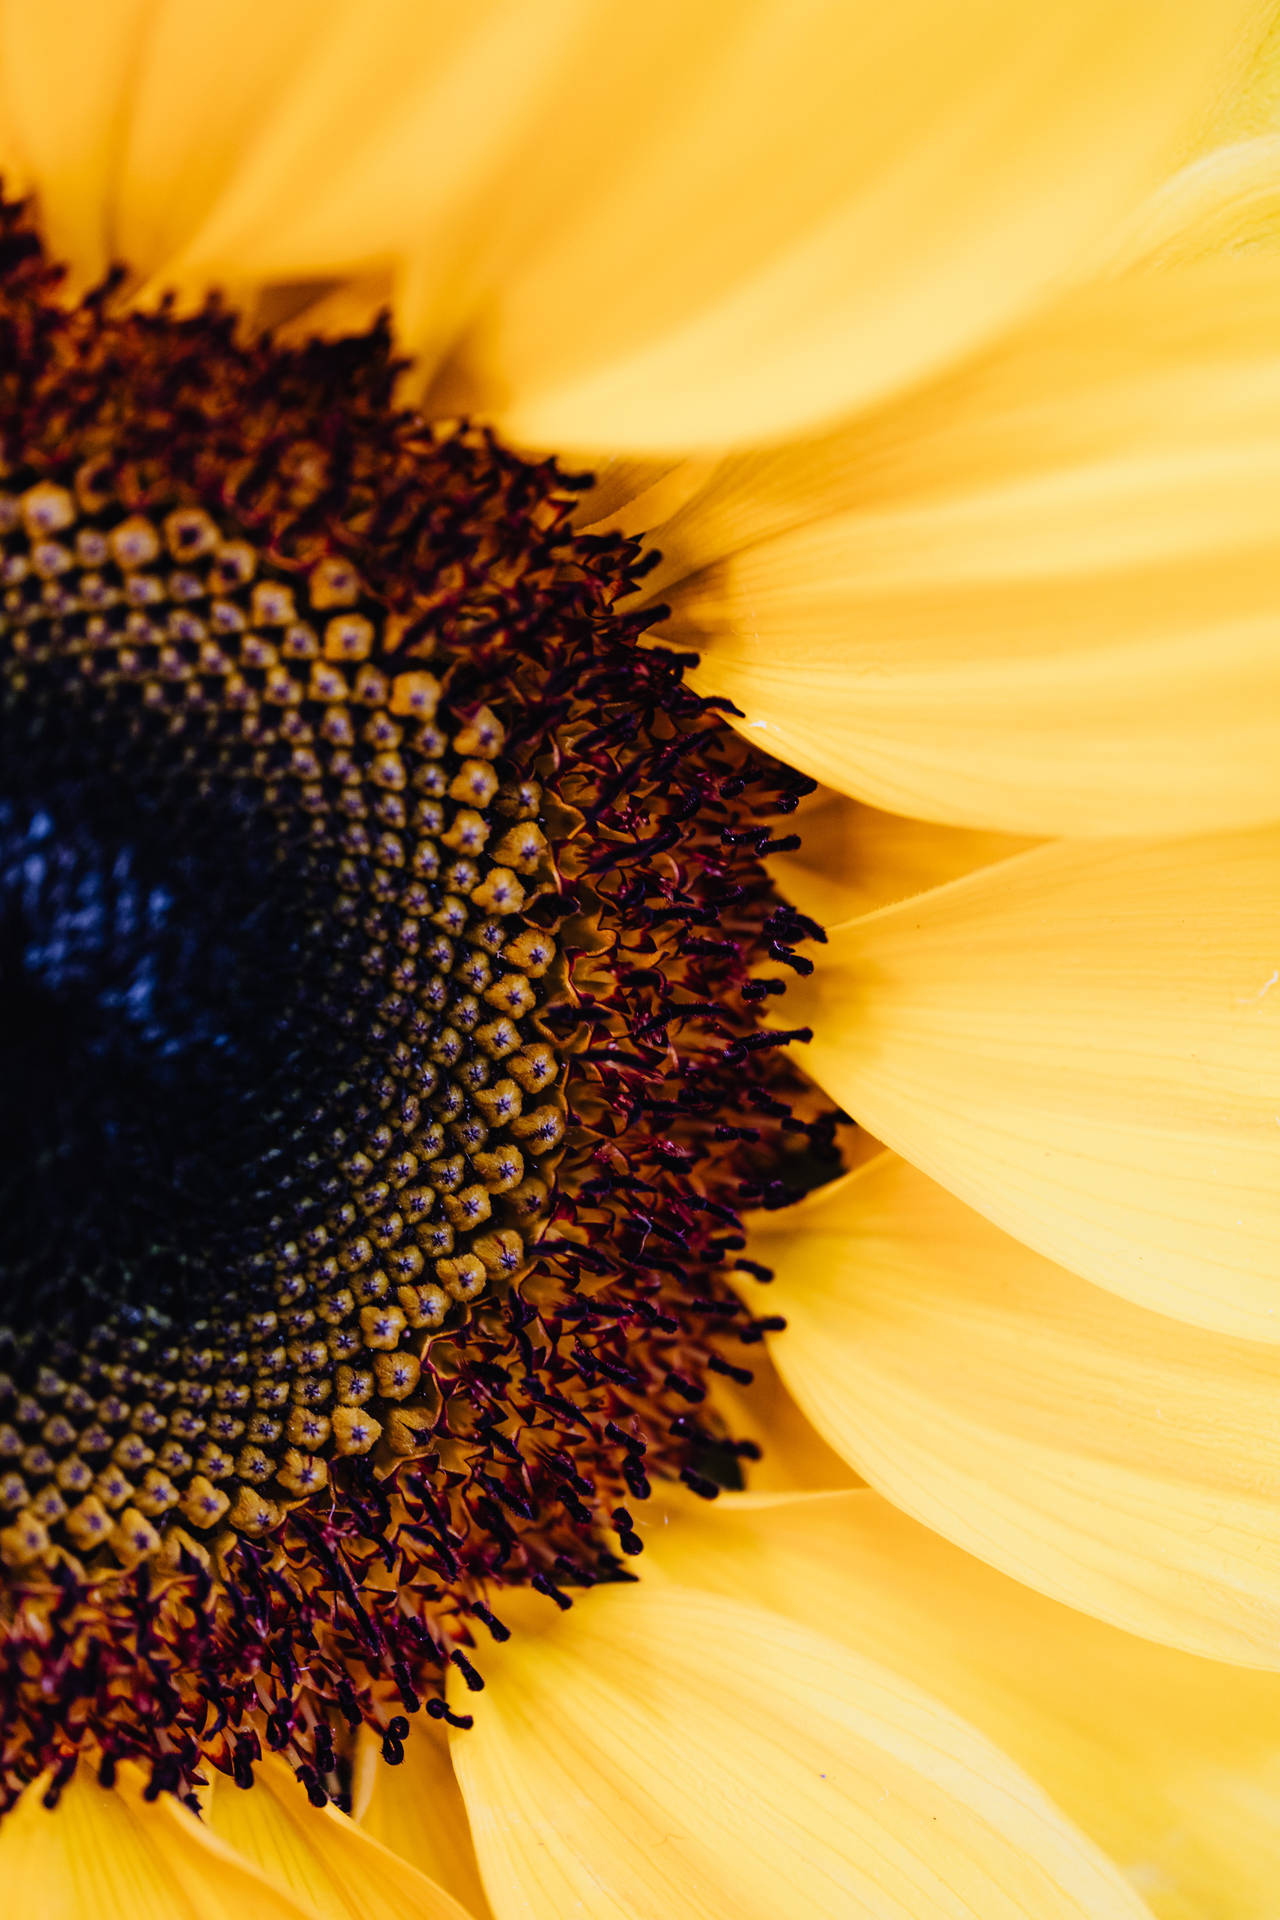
380 929
277 1095
139 1016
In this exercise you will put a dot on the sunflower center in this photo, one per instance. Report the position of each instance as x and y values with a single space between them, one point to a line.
381 1072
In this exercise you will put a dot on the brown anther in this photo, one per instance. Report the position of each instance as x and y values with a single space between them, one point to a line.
463 1278
89 1524
381 1327
521 800
272 604
306 1427
500 1103
408 1432
255 1464
302 1473
47 509
204 1504
354 1386
349 636
483 735
523 847
534 1067
501 1254
133 1537
415 695
23 1542
475 783
253 1513
397 1374
499 1039
74 1474
470 1207
48 1506
540 1130
499 892
468 832
424 1306
190 533
500 1170
156 1494
512 994
234 565
354 1430
112 1488
388 771
333 582
531 952
134 543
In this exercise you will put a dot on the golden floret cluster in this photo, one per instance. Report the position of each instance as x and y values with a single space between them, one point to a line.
424 1156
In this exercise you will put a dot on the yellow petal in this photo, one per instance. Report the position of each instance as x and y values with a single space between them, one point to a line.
1040 597
831 202
206 90
1120 1461
108 1855
68 114
1224 201
794 1457
1171 1763
1083 1043
631 496
322 1857
1252 104
299 312
667 1752
353 137
853 858
416 1810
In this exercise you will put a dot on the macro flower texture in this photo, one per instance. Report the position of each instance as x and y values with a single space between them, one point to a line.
640 939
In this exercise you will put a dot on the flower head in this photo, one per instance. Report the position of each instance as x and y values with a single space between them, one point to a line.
402 1113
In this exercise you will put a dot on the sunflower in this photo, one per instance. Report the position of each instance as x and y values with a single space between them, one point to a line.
592 596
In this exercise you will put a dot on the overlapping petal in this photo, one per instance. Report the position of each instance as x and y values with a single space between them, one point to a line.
357 137
1122 1462
63 120
1083 1042
416 1810
1250 106
1013 600
853 858
322 1857
1170 1762
833 201
113 1855
794 1457
666 1751
1226 200
845 198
